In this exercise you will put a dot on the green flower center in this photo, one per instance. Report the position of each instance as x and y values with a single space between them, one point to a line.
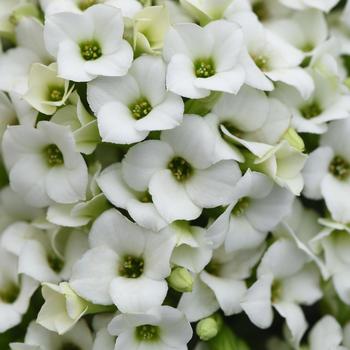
145 197
140 108
56 93
70 346
276 291
53 155
213 268
180 168
55 262
90 50
204 68
311 111
241 206
260 9
262 62
340 168
85 4
10 293
132 267
147 333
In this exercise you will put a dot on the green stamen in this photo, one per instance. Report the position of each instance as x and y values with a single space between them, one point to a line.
147 333
53 155
180 168
90 50
10 293
55 262
145 197
132 267
276 291
262 62
340 168
260 9
204 68
241 206
213 268
311 111
140 108
56 93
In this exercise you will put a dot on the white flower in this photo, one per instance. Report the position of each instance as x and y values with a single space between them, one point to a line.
46 92
179 171
327 171
161 327
46 256
328 102
44 165
138 203
129 107
296 29
63 308
257 207
204 59
39 338
269 56
222 278
15 63
335 242
248 119
15 291
284 281
88 44
126 265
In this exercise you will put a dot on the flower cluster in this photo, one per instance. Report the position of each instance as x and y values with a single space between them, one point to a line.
174 172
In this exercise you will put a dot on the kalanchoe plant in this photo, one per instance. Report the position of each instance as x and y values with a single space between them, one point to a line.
175 175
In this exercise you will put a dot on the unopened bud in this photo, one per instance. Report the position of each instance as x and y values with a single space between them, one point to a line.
181 280
294 139
207 328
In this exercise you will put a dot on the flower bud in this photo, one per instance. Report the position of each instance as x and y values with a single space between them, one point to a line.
294 139
181 280
207 328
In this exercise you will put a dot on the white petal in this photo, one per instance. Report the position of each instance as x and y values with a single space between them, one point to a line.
296 77
192 140
113 64
171 199
143 160
71 65
214 186
336 194
230 81
181 79
326 334
295 320
117 125
315 169
228 292
167 115
257 302
137 294
93 273
198 304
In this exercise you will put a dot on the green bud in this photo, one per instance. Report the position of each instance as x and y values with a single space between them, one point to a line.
294 139
208 328
181 280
